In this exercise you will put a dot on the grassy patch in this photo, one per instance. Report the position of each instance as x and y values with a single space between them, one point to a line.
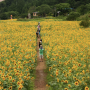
83 17
59 18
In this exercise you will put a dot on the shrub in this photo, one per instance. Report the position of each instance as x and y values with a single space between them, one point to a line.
3 16
62 17
24 15
83 17
13 13
85 23
23 19
72 16
35 16
50 14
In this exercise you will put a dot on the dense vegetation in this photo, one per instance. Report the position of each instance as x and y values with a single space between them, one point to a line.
20 8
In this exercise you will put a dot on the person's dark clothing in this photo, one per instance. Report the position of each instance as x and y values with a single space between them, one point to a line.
37 34
40 43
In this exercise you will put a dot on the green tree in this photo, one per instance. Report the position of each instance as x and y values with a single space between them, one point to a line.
12 7
26 8
32 9
88 7
82 9
3 7
77 4
63 7
8 2
2 4
44 9
73 16
84 1
13 13
72 3
3 16
20 5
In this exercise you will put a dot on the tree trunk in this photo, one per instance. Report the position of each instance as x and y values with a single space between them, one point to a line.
29 16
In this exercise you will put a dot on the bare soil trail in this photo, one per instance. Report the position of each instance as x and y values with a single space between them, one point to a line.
40 81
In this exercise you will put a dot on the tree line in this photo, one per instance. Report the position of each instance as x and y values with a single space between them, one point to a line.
21 8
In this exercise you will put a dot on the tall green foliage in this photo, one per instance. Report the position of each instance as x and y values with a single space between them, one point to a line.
3 16
82 9
63 7
22 6
32 9
85 23
44 9
71 2
73 16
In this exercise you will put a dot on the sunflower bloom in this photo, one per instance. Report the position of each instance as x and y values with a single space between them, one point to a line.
86 88
76 83
66 89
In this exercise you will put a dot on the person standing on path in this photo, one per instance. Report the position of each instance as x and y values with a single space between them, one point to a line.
38 27
40 42
41 53
11 17
37 33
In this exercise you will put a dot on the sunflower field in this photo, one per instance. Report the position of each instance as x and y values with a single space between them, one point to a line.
67 54
17 54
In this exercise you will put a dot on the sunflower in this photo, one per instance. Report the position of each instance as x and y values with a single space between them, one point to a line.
0 82
3 78
10 88
56 73
10 77
57 79
19 88
50 68
65 88
86 88
0 71
76 83
0 87
60 57
66 81
79 64
69 85
70 71
30 61
13 80
18 83
24 77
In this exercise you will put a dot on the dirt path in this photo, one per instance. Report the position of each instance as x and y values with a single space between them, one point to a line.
40 81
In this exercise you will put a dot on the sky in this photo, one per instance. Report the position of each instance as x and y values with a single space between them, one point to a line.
1 0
